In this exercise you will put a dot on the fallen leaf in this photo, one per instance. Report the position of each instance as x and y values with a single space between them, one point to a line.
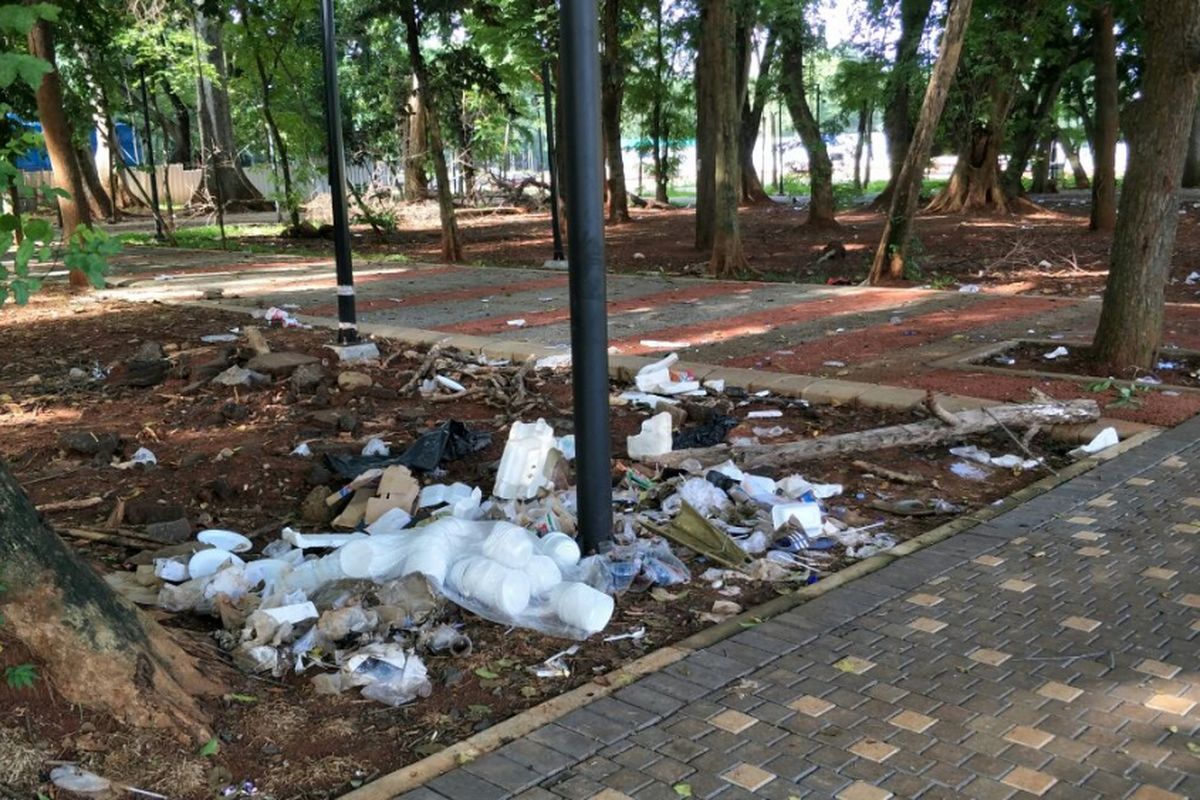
486 674
683 789
210 748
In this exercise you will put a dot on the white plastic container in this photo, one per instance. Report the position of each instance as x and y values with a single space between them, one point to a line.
654 440
224 540
581 606
543 574
510 545
808 515
296 612
560 547
207 562
521 473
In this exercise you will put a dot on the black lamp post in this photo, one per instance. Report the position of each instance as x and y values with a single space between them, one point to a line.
579 61
347 325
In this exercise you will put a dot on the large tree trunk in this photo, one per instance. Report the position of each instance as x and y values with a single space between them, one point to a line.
821 206
709 66
97 649
1131 318
898 117
864 116
892 253
1104 151
1081 177
223 180
612 90
451 241
1191 162
717 55
182 150
658 126
752 114
975 185
416 149
1042 181
56 134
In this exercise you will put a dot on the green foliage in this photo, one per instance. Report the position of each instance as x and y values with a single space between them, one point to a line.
20 676
1126 396
210 748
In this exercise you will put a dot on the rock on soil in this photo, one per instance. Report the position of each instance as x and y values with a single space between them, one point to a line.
240 376
350 381
307 377
279 365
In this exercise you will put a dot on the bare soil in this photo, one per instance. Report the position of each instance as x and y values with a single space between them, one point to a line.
1172 368
1047 252
224 460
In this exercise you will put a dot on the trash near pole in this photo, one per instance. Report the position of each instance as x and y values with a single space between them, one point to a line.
559 259
347 325
579 60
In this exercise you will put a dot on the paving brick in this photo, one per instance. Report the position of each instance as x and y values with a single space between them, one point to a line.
461 785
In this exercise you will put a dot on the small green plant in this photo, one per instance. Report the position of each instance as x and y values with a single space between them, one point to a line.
941 281
20 676
1127 395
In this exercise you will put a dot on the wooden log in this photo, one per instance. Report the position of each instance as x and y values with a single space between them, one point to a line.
933 431
70 505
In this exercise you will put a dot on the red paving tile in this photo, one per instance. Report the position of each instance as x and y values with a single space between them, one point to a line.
869 343
760 322
424 298
644 303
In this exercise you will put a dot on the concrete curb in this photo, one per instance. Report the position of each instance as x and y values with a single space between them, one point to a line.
460 753
813 389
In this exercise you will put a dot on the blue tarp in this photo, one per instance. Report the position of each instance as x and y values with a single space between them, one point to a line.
35 160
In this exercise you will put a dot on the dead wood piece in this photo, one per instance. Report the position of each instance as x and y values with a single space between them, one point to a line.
938 411
419 375
257 342
120 539
70 505
891 474
934 431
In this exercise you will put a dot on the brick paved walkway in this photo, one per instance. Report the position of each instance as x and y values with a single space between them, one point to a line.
1053 652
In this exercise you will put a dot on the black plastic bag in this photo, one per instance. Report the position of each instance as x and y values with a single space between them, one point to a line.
710 434
450 441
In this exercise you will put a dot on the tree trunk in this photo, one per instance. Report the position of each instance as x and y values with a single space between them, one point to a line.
451 242
612 90
290 198
1104 152
416 149
182 150
658 127
752 114
56 134
898 117
1131 318
1036 119
975 185
821 206
1072 152
710 71
1191 162
97 649
892 253
717 53
864 112
1042 182
101 205
223 180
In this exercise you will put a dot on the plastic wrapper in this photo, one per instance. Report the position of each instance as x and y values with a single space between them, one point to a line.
710 434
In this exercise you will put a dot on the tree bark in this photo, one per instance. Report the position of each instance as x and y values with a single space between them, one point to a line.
96 648
416 149
821 206
612 91
898 120
658 125
1072 152
1042 181
1036 121
717 53
101 204
56 134
752 114
710 72
1191 162
1104 152
451 241
892 253
1131 317
182 150
864 115
223 180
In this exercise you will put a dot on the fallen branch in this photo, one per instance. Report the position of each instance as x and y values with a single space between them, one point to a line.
70 505
891 474
933 431
123 539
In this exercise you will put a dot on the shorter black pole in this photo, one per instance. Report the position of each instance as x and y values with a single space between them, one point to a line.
579 61
553 167
347 324
159 235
